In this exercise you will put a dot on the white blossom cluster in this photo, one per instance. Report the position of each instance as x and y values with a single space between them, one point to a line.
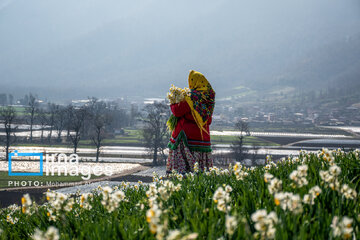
342 227
222 198
330 177
52 233
111 199
157 194
177 94
230 224
27 205
12 209
57 204
264 224
289 201
275 184
314 192
299 176
240 171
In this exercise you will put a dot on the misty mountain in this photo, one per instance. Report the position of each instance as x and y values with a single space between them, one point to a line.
72 49
335 65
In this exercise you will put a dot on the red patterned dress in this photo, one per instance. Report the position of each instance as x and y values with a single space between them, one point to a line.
186 146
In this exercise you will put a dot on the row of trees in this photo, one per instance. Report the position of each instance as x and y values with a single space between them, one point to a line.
93 121
97 120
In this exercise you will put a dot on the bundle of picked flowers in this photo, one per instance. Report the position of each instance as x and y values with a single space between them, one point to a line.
176 95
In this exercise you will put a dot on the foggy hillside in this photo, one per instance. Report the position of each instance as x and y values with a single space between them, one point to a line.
68 48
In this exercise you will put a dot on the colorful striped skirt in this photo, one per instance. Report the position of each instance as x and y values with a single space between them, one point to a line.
182 159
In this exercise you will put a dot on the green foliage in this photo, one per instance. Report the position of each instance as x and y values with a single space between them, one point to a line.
171 123
191 208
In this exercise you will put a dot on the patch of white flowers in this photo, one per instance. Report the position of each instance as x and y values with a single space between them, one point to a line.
264 224
275 186
330 177
222 198
153 216
111 200
52 233
12 209
178 235
230 224
348 192
11 220
342 227
299 176
314 192
289 201
84 201
58 203
326 155
26 204
177 94
240 171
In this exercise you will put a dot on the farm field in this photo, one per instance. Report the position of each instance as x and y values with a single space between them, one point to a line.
313 196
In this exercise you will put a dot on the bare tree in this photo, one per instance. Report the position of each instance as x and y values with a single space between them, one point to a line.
254 154
59 121
51 120
101 118
237 146
155 133
43 121
87 128
78 116
31 110
8 116
68 114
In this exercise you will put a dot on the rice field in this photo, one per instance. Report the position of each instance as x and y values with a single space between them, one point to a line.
312 196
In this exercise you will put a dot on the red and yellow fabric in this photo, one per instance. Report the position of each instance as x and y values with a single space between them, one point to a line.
194 115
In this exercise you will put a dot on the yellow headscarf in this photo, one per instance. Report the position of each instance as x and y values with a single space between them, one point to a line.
201 99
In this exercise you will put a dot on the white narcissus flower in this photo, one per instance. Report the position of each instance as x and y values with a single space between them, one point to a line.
299 175
52 233
26 204
153 217
342 227
230 224
222 198
259 215
107 190
228 189
191 236
275 185
268 177
348 192
335 170
314 192
174 235
288 201
265 224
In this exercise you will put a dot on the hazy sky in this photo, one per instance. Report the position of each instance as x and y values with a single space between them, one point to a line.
77 48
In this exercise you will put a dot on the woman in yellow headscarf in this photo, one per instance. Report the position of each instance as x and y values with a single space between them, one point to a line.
190 140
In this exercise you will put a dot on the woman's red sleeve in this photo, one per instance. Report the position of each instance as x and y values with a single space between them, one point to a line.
180 109
209 121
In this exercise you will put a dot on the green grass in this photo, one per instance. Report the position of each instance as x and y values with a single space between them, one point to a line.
192 209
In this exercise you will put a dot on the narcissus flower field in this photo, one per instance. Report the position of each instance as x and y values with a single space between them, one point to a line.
312 196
